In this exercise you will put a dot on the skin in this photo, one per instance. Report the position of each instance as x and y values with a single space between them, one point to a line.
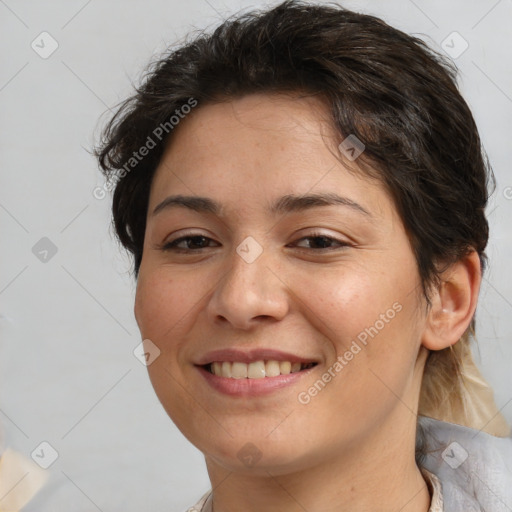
352 446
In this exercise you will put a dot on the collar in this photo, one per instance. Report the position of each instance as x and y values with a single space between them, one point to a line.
434 487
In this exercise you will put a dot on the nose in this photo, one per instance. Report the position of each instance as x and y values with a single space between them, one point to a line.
248 293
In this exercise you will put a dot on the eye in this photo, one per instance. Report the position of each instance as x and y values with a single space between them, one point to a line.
190 243
196 243
323 242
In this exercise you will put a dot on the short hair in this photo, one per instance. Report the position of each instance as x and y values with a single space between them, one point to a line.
395 94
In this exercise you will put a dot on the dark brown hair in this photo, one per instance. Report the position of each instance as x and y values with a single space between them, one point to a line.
389 89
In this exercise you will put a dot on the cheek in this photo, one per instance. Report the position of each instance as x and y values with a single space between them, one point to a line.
342 304
165 307
369 319
163 302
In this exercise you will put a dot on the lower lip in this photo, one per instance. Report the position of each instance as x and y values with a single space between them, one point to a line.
250 387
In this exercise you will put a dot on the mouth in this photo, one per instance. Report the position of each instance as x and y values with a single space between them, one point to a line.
242 373
256 370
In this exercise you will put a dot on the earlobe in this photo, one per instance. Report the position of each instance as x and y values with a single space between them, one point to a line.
453 303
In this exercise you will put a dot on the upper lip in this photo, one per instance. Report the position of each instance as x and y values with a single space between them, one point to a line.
250 356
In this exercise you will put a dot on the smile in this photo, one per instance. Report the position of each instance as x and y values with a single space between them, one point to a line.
255 370
258 378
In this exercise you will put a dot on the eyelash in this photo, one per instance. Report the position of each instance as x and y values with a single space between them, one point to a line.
172 245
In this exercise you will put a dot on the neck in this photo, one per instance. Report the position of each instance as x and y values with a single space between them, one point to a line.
382 475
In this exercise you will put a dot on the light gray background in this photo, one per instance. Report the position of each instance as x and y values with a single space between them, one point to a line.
68 373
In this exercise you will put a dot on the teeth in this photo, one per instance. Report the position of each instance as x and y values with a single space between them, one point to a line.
257 369
272 369
226 369
285 367
238 370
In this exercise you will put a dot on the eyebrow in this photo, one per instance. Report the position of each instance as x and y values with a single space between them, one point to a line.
285 204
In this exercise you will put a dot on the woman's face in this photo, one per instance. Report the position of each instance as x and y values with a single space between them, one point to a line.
272 276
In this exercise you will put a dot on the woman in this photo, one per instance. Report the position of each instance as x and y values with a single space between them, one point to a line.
303 193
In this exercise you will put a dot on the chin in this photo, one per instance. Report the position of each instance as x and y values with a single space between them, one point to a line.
260 456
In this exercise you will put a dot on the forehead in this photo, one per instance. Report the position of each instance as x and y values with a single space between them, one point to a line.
260 147
261 122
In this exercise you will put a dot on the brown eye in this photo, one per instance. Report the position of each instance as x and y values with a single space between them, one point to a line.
323 242
187 244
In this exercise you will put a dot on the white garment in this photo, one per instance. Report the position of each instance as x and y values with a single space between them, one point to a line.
475 468
466 470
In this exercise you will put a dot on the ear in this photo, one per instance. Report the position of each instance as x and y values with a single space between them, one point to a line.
453 303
